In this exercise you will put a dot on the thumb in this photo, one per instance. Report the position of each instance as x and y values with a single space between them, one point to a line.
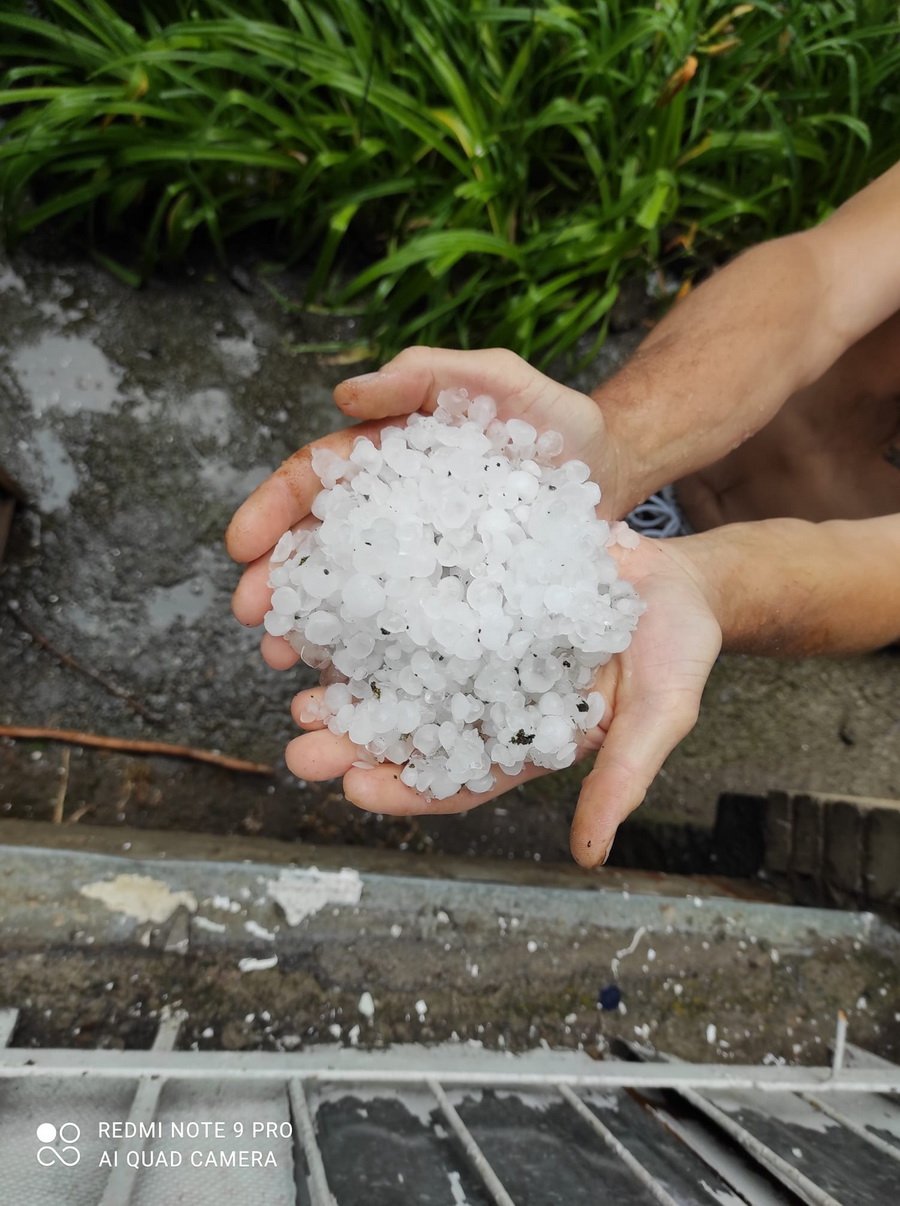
637 744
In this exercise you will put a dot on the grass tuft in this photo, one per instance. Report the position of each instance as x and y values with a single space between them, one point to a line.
500 167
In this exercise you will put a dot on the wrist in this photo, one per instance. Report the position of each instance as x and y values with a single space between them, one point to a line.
751 575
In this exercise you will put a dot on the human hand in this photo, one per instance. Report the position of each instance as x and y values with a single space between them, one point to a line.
411 382
652 690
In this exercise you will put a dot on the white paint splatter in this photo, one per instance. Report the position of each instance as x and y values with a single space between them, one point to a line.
258 931
456 1189
303 893
723 1196
213 927
140 897
249 964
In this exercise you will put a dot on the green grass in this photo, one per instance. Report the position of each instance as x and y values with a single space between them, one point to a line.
499 167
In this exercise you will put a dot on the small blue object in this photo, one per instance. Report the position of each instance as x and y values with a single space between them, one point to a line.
609 997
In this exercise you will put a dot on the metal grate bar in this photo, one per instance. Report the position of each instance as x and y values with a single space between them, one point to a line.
859 1057
881 1145
168 1030
630 1161
122 1177
8 1019
785 1172
66 1062
477 1157
317 1181
840 1044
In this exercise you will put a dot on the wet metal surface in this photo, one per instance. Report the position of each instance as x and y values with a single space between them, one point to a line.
450 1125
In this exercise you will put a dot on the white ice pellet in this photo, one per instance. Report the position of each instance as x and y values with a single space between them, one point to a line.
366 1005
458 596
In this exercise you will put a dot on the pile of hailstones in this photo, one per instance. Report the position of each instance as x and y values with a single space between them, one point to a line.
458 597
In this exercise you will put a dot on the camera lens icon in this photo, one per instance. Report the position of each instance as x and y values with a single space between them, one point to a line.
67 1133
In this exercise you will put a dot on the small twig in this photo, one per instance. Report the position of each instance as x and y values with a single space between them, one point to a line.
66 659
79 813
127 745
60 804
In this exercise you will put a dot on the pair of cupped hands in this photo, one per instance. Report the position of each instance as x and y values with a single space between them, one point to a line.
652 690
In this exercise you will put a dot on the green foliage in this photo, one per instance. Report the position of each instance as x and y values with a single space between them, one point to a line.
502 165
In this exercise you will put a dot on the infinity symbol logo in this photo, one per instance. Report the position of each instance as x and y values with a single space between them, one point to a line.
67 1133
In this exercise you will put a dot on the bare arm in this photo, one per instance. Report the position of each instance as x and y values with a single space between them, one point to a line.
788 588
724 361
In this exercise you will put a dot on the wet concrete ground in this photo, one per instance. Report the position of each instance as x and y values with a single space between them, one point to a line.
136 422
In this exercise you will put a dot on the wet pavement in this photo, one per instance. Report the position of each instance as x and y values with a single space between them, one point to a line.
136 421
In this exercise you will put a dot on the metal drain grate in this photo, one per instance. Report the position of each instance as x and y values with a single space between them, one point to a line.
443 1125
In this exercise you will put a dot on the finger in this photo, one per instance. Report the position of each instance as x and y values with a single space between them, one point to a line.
380 789
321 755
413 380
304 709
637 744
277 653
286 497
252 598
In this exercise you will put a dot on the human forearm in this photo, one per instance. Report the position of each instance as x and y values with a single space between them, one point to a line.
788 588
722 363
725 359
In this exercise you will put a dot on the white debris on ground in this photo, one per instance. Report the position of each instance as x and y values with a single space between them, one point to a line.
458 596
250 964
366 1005
303 892
140 896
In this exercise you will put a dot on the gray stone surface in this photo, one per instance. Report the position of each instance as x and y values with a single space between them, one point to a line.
137 421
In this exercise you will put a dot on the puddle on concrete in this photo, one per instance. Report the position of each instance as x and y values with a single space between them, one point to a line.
228 480
187 601
241 352
207 413
83 620
60 477
11 282
67 373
